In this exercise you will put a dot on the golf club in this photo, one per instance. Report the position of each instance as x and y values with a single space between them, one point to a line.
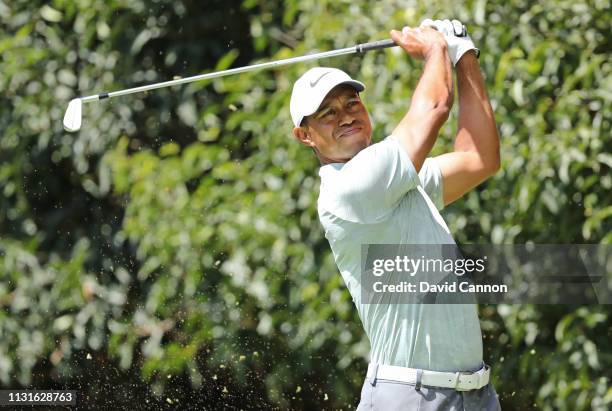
73 115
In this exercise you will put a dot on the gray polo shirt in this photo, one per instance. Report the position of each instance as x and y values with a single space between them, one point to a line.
378 198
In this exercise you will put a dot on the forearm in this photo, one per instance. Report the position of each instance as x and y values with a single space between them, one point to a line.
429 108
435 87
477 129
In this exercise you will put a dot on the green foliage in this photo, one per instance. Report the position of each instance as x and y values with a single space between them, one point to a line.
176 236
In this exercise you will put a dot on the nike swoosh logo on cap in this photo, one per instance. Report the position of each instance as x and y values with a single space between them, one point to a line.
314 83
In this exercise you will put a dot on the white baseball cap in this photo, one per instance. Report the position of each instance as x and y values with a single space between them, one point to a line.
312 87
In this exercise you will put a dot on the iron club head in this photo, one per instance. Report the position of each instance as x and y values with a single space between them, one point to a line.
72 118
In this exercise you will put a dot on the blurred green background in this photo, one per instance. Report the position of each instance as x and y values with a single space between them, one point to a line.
170 255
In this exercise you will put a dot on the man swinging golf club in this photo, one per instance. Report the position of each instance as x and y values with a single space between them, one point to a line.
423 356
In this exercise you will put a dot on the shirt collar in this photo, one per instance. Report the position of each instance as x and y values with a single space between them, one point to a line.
330 168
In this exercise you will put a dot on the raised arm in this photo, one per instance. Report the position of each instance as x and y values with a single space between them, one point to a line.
433 96
476 149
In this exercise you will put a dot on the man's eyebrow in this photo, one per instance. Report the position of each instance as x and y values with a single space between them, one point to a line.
325 105
321 109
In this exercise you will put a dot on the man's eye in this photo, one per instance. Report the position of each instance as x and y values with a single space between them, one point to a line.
329 113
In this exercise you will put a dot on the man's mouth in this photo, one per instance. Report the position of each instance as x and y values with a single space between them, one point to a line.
350 132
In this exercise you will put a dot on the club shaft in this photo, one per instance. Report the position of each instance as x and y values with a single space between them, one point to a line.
360 48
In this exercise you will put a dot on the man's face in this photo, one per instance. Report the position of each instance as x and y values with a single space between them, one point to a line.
339 129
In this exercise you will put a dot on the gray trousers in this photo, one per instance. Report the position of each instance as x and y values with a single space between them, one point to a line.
388 395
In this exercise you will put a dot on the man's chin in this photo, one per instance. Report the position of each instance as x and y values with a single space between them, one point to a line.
356 146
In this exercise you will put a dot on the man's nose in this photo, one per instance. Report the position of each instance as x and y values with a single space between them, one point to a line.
346 118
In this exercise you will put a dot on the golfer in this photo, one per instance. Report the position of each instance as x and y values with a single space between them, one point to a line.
423 356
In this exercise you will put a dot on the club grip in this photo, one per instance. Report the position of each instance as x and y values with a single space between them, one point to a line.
375 45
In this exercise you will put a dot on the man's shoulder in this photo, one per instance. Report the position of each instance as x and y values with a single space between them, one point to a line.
333 169
388 142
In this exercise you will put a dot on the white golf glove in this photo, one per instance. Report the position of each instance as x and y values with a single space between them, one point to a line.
456 36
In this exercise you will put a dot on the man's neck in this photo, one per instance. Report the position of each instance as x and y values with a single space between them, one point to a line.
327 160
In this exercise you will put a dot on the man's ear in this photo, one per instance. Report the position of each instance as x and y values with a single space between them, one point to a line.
303 136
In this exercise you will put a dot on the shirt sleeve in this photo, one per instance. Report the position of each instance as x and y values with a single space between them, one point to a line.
370 185
431 180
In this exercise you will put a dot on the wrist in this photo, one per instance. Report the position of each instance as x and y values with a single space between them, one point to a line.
436 49
469 58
